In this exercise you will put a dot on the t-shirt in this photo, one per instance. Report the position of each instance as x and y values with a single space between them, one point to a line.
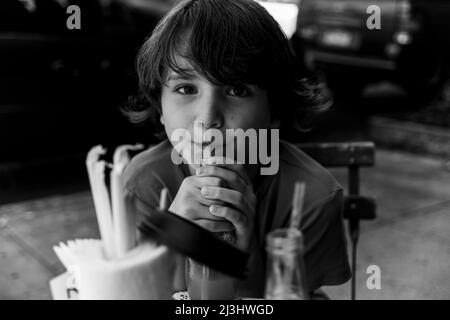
325 251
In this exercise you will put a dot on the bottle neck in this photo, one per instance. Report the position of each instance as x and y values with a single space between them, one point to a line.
285 242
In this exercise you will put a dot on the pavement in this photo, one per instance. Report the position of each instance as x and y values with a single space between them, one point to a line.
409 241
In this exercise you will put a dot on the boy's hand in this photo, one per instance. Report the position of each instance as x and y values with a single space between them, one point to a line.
190 204
219 198
240 201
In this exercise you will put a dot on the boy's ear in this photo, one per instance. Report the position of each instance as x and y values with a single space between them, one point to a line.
161 119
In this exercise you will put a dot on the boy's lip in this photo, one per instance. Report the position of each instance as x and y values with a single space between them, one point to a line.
203 144
206 143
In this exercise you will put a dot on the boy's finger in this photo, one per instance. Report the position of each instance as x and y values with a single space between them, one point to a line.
200 182
237 218
210 202
232 178
194 210
233 197
239 221
229 164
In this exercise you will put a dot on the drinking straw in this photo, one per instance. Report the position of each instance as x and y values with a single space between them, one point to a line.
95 170
104 215
91 160
121 156
163 199
297 205
122 240
296 216
198 139
198 131
123 220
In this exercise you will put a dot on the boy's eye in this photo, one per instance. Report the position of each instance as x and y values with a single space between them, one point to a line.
238 91
186 90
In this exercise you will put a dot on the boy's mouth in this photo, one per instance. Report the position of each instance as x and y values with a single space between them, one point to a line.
202 144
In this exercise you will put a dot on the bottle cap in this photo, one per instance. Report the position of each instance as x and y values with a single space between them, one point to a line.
195 242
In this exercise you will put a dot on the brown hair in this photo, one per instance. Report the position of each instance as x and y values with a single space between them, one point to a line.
228 42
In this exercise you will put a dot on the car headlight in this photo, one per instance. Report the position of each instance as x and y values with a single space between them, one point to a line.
403 37
392 50
307 32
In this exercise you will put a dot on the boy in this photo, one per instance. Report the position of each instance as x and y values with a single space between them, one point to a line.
227 65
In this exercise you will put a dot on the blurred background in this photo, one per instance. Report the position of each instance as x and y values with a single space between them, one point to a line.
61 91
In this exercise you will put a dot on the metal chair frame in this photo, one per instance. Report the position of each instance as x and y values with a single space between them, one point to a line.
351 155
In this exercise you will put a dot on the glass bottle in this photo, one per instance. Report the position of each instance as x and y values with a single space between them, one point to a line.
285 275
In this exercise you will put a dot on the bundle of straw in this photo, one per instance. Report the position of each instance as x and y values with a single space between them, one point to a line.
115 266
115 221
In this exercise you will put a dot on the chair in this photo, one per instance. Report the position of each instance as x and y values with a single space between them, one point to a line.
351 155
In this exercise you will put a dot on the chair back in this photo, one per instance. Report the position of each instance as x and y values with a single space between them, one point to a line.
350 155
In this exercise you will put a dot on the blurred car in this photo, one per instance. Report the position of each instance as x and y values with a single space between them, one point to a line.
411 48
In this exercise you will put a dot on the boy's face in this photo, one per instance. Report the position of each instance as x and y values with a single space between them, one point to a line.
185 100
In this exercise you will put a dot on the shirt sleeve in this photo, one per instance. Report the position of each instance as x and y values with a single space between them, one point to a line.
143 193
326 258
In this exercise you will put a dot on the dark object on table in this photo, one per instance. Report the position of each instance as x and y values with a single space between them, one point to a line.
195 242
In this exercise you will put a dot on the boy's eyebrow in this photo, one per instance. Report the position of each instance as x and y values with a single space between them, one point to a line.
181 76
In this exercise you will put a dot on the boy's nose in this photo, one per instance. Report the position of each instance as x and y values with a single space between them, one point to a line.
210 112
